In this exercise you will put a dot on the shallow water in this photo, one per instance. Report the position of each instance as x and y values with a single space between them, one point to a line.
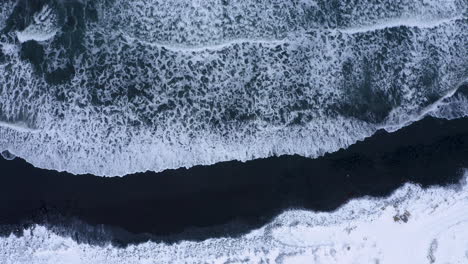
247 131
117 87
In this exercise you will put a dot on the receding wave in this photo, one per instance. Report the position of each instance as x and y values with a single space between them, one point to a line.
115 87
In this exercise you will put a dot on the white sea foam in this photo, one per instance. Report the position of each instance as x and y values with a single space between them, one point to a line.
5 10
452 107
416 22
201 22
7 155
42 28
20 127
413 225
162 85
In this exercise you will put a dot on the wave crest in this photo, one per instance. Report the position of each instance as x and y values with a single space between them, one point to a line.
119 91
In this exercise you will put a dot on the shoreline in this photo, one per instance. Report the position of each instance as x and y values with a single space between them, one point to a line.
229 198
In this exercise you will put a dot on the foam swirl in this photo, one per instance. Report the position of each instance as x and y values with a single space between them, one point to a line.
144 85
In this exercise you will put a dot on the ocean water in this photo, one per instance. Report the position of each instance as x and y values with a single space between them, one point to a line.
395 197
116 87
300 131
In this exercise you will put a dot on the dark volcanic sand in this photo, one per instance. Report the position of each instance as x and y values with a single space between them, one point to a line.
228 198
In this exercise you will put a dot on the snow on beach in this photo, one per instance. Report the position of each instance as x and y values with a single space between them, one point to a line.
413 225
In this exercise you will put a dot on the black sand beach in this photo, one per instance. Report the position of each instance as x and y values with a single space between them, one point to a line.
229 198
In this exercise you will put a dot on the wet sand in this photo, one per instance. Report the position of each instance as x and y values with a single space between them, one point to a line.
229 198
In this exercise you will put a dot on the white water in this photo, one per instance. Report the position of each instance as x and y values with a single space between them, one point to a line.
44 26
367 230
401 22
160 86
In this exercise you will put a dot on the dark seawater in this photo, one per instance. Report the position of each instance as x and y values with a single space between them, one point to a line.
114 87
229 198
229 117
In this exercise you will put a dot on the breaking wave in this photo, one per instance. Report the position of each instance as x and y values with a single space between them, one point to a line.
116 87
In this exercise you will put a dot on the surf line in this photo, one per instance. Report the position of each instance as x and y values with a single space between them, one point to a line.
424 112
19 127
405 22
